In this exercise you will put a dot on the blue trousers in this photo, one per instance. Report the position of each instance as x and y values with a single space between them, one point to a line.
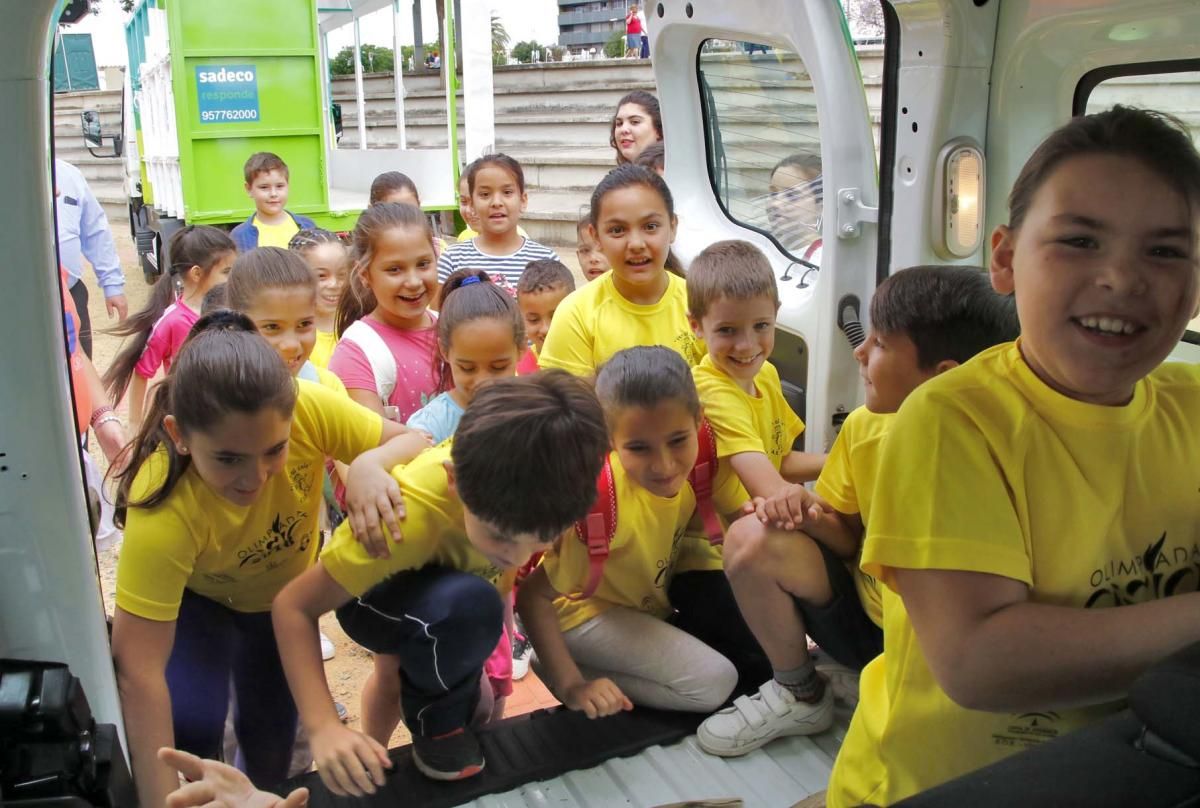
443 624
213 643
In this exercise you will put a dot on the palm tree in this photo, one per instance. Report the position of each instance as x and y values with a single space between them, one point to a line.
500 40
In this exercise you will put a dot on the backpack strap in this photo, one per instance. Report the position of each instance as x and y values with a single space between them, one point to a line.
596 530
379 356
702 477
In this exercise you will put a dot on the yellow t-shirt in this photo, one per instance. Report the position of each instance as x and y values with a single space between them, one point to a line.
276 235
847 482
741 422
433 533
989 470
323 349
239 556
594 322
641 555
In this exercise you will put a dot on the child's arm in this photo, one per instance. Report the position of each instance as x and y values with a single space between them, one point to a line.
368 398
372 495
802 467
348 761
141 649
794 507
211 782
137 402
535 604
990 648
758 474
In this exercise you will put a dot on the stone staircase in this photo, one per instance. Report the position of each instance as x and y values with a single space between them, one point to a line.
105 175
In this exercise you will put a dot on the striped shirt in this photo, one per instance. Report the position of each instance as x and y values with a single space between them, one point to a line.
505 269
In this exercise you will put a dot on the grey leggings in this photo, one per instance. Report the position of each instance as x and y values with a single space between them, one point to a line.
654 663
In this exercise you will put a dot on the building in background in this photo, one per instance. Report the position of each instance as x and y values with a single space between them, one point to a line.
585 24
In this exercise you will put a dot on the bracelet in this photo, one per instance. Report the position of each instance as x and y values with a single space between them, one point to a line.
98 413
106 419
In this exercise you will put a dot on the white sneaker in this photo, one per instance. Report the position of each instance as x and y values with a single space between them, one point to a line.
522 652
754 720
327 649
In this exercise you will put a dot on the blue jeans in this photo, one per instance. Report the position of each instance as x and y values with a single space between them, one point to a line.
443 624
212 643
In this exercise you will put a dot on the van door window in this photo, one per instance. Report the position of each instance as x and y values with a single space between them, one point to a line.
764 141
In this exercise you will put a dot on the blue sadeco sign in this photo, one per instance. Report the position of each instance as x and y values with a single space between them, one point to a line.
227 93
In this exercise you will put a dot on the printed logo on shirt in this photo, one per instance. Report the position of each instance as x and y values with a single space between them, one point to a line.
284 534
1028 729
685 344
301 478
777 447
1158 572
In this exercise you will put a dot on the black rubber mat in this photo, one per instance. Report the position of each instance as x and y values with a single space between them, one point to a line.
519 750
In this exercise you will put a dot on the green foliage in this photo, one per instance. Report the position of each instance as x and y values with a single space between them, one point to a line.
500 40
375 59
614 48
523 51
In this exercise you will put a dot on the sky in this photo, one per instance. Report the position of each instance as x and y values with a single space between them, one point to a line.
523 19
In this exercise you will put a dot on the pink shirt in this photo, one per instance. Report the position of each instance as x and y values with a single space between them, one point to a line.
413 352
166 338
528 363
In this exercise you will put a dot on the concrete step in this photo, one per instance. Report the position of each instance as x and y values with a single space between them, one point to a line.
551 216
87 100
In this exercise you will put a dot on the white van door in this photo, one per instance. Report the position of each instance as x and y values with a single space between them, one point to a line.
768 139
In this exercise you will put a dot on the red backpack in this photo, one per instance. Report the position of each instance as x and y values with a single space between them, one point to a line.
596 530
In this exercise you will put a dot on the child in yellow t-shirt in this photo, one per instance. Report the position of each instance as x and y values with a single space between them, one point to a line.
329 261
604 637
219 503
435 601
1045 482
542 287
640 302
790 584
271 224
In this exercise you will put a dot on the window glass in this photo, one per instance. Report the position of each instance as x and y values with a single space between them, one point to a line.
764 141
1176 93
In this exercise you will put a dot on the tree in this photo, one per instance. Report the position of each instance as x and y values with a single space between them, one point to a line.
375 59
500 40
614 48
524 52
864 17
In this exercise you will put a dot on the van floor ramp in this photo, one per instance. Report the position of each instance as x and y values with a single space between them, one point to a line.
518 750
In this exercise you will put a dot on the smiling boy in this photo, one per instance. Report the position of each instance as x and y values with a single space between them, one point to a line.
271 225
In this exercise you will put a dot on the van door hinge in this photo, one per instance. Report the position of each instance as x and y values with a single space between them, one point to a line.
852 213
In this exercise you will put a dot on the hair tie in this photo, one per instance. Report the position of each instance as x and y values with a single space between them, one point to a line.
470 279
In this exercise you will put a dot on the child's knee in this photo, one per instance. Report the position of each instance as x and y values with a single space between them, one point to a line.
749 547
716 680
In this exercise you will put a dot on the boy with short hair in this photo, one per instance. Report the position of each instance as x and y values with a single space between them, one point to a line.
542 286
271 225
924 321
436 600
592 262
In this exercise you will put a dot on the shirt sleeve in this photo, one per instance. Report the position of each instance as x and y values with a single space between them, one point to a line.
348 563
158 347
565 567
446 265
732 421
344 428
569 343
350 364
948 505
96 242
836 483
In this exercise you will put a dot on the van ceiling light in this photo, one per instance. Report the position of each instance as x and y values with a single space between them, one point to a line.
958 214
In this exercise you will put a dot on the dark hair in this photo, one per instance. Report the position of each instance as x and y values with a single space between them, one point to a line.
463 300
388 183
645 376
223 367
646 101
653 157
807 162
357 299
630 175
266 268
262 162
192 246
543 433
543 274
1160 141
499 160
732 269
310 237
215 298
949 312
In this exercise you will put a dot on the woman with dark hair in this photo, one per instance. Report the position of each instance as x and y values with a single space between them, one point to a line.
636 124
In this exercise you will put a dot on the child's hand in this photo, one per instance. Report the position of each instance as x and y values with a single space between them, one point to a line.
219 785
791 508
597 698
349 762
373 499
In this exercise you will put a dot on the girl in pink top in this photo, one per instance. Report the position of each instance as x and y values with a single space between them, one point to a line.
201 257
388 339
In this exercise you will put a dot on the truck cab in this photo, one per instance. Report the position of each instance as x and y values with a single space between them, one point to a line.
781 129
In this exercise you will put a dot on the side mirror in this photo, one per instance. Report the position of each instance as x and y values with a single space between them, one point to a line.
337 121
93 137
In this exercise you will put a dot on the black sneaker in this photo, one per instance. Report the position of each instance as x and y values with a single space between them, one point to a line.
453 756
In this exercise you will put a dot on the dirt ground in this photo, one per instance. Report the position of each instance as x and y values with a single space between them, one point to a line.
350 666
